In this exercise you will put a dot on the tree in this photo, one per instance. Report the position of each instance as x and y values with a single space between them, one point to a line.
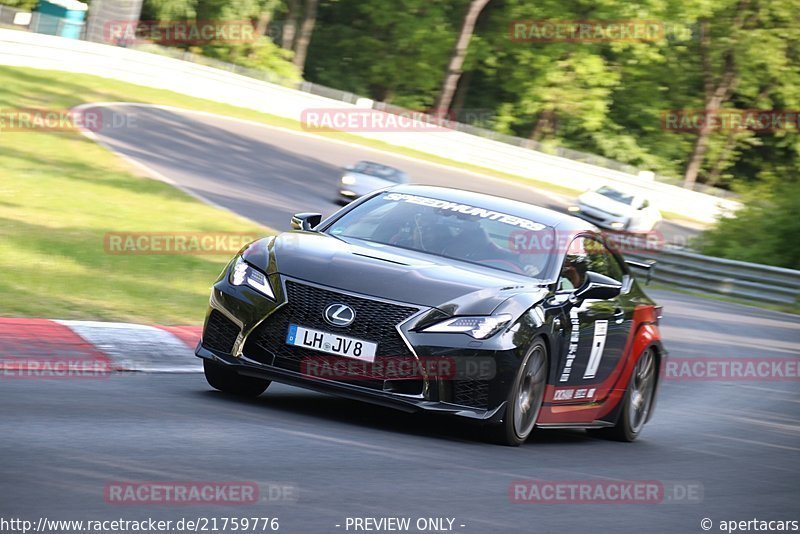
304 37
764 231
290 25
717 86
453 72
390 55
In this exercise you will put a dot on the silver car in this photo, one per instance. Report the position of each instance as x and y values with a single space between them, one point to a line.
615 209
367 176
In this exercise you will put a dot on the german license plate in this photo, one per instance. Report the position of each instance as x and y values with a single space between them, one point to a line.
348 347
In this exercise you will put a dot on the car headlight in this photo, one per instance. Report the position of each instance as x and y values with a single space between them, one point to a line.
617 225
574 209
477 327
348 180
244 273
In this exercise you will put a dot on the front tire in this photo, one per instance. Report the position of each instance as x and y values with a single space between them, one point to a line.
525 398
227 380
637 402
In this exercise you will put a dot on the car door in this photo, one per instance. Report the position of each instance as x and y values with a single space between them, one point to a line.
596 329
619 314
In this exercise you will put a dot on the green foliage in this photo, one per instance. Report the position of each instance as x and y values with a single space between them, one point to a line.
764 231
24 5
394 52
262 54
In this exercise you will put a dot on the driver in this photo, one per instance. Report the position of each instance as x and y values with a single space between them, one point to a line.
424 232
573 272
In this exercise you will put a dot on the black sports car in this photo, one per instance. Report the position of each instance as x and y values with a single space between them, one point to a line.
426 298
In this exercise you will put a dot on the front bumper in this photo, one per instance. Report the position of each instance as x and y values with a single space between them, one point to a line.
600 218
245 330
408 404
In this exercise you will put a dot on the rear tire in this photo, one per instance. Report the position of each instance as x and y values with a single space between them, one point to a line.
637 402
524 400
227 380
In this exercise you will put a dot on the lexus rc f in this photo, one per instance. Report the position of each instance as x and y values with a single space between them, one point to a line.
432 299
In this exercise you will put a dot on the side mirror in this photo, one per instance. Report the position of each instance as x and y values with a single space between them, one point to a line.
306 221
597 286
645 203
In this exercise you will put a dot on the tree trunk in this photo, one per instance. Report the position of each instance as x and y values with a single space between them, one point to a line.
713 104
461 95
544 123
453 72
716 169
306 29
290 26
715 93
262 25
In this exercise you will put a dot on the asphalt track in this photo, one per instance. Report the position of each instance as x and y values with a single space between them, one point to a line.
63 441
267 174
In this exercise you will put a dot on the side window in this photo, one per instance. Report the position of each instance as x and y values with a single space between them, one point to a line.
587 254
602 261
576 263
614 268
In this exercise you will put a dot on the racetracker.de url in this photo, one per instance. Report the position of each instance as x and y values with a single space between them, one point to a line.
44 525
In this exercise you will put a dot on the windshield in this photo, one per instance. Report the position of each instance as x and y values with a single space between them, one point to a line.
379 171
466 233
613 194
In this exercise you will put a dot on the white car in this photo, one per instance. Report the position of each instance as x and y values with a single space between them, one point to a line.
614 209
367 176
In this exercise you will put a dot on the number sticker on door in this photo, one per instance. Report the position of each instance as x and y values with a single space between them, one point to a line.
598 344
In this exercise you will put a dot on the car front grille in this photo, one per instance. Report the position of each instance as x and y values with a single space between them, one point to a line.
375 321
220 333
472 393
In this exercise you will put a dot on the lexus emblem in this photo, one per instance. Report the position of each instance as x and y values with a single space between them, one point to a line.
339 314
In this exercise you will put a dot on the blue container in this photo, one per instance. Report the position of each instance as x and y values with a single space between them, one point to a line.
64 18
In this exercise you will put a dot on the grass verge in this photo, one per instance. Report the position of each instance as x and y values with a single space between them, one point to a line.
60 193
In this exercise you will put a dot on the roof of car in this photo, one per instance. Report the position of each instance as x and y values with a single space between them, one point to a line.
548 217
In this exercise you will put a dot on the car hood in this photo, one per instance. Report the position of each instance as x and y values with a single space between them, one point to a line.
603 203
390 273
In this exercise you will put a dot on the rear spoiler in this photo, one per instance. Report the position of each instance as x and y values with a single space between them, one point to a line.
646 265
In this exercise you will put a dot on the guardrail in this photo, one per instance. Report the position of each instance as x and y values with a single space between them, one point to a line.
707 274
